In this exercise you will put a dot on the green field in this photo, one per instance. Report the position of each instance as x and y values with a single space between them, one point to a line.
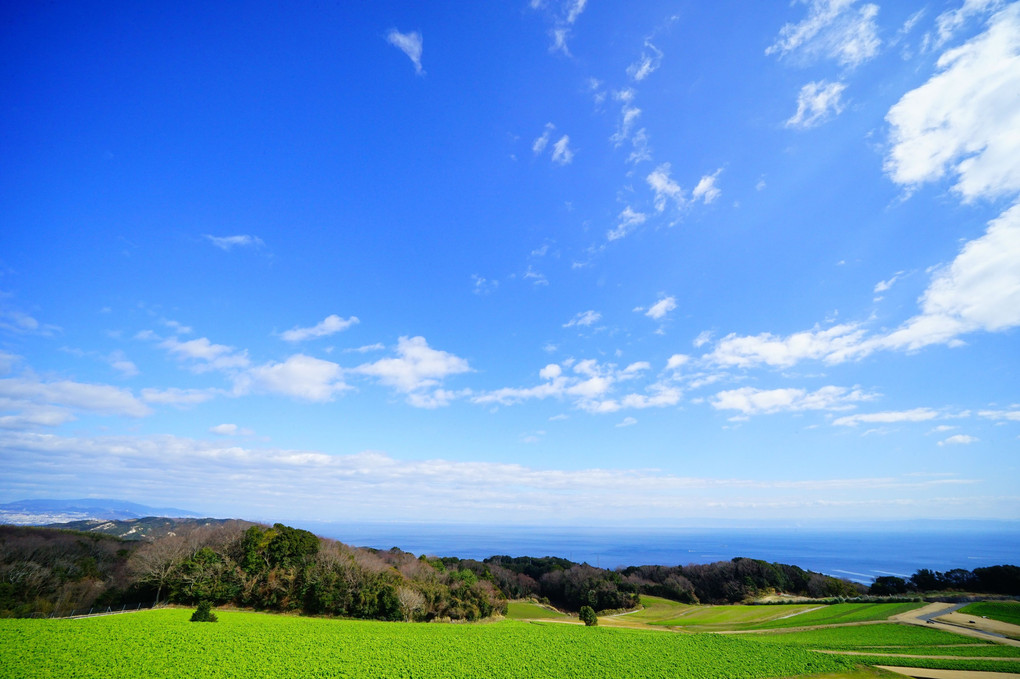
737 617
1004 611
164 643
528 610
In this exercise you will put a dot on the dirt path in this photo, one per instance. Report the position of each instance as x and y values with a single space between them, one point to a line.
920 673
945 617
909 655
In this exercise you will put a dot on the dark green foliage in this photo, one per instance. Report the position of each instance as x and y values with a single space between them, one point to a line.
1004 579
203 613
588 617
888 585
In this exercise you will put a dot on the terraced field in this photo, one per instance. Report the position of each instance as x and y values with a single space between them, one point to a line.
740 618
1003 611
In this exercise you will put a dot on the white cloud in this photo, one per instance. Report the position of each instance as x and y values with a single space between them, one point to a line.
562 153
706 189
661 308
574 9
408 43
979 290
831 345
230 430
949 22
964 120
119 362
651 59
378 346
816 103
629 219
627 422
588 388
1010 415
883 286
330 325
703 338
21 323
628 116
888 417
228 243
540 143
665 188
833 29
220 476
583 319
751 401
178 397
206 355
958 440
677 361
54 402
300 376
642 150
416 367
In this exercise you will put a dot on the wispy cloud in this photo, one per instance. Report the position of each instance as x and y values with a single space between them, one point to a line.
330 325
659 310
816 103
628 220
562 154
833 29
228 243
888 417
665 188
751 401
306 481
959 440
410 44
583 319
651 59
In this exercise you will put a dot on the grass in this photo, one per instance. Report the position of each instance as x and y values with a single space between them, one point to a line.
737 617
529 610
243 644
1003 611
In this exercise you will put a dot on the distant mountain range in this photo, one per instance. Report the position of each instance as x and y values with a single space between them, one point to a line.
43 512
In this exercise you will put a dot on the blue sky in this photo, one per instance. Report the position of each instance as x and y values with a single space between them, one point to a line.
526 262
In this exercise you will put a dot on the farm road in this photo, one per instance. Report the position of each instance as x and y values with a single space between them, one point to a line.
945 617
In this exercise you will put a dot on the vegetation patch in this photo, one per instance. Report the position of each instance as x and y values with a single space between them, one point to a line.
529 610
163 643
1003 611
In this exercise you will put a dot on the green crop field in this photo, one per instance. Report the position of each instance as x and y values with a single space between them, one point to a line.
164 643
886 644
738 617
527 610
888 635
1004 611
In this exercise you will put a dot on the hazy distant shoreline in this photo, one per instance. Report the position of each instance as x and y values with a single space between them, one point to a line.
859 555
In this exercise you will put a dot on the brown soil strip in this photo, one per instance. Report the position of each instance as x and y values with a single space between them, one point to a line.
920 673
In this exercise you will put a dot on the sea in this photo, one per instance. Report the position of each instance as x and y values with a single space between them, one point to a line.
855 553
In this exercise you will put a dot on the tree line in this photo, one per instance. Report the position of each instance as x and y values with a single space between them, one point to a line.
1004 580
279 568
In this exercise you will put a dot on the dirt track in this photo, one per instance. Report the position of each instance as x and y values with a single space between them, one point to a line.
944 617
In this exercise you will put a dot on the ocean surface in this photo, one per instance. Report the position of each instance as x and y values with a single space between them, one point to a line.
859 555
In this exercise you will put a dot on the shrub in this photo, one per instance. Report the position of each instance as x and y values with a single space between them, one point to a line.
204 613
588 616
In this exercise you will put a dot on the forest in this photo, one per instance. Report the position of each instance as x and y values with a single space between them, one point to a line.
49 571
